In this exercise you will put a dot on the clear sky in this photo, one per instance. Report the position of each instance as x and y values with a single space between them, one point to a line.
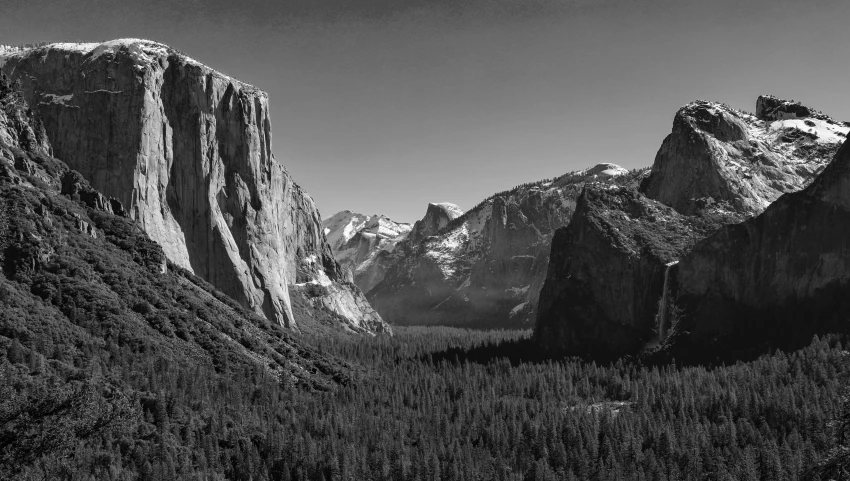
384 106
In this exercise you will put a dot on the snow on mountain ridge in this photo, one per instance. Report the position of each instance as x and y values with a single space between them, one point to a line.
357 240
453 210
718 158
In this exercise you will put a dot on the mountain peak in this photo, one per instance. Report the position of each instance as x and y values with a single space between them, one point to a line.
437 216
451 210
771 107
606 170
732 160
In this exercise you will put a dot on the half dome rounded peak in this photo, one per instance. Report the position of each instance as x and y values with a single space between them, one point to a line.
451 210
607 170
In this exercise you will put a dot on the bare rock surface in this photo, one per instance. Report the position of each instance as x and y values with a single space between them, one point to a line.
188 152
437 217
723 158
606 271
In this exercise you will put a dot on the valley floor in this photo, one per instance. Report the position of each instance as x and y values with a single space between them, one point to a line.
443 403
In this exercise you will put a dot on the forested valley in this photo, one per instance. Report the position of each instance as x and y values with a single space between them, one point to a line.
429 404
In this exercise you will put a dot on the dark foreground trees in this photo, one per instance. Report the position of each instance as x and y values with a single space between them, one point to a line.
432 403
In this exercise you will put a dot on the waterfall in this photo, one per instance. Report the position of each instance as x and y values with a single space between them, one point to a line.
661 317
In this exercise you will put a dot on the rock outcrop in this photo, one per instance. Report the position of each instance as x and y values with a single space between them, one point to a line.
437 216
484 268
360 244
717 157
779 278
187 151
607 270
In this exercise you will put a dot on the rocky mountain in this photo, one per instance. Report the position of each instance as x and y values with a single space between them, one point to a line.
606 291
437 217
188 151
780 277
358 242
719 155
484 267
606 271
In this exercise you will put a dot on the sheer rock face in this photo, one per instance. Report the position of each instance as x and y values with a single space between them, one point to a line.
436 218
606 272
719 156
187 151
485 268
782 276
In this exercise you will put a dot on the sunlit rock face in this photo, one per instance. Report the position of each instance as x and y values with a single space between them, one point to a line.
188 152
721 158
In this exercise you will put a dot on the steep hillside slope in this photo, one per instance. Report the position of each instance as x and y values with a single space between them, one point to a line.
607 283
188 152
483 268
96 325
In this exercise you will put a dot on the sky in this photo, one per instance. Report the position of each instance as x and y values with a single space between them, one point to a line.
382 106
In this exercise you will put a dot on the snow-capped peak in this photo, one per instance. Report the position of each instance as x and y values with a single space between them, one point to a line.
606 170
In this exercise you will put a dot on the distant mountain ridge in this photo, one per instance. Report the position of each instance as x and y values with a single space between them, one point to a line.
480 268
358 240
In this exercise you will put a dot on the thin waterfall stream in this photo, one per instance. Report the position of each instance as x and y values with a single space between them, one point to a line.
661 317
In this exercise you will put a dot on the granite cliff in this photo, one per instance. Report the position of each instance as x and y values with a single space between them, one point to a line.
719 156
79 280
188 152
606 271
612 266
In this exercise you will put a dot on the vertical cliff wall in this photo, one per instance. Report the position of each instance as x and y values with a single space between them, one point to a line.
606 272
188 151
